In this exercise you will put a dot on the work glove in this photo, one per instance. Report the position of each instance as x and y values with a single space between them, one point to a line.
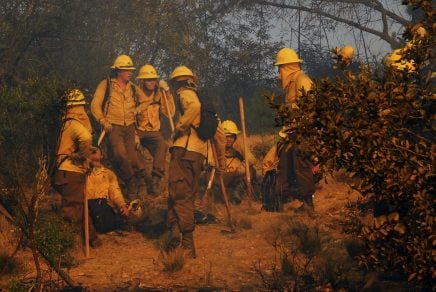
220 170
164 85
124 210
106 125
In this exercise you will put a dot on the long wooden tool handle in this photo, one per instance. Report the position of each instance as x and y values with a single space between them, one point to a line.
86 218
244 141
223 189
102 134
205 199
165 99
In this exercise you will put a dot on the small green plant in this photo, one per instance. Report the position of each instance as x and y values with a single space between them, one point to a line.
22 285
54 238
174 260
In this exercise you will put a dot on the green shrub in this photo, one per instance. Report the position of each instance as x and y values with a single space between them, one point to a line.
382 132
54 238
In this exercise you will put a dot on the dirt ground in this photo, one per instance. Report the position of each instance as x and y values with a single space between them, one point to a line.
129 261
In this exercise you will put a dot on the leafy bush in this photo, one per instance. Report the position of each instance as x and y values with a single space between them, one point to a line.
382 132
53 237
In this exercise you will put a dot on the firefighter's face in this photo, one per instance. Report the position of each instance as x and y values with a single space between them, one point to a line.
149 84
125 75
230 140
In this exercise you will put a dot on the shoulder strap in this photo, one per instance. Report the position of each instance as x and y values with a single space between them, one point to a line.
107 94
134 94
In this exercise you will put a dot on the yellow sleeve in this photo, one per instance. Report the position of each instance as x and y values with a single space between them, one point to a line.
191 110
270 161
83 137
303 83
170 103
97 101
115 194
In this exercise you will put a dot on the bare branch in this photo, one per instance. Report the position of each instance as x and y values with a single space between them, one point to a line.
384 35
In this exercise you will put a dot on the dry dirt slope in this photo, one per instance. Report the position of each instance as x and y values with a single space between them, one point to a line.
224 260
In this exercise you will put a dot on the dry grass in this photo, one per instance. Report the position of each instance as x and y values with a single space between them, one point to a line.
260 144
174 260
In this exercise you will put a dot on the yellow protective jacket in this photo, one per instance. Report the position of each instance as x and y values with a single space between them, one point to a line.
150 108
233 162
271 160
102 183
298 81
120 106
191 118
75 140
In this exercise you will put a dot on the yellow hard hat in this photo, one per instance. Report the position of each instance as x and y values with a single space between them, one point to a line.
395 60
346 52
230 128
419 32
181 71
75 97
123 62
147 72
286 56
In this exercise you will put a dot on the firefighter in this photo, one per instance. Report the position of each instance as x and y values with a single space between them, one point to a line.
295 182
188 155
158 100
114 106
105 200
72 160
234 175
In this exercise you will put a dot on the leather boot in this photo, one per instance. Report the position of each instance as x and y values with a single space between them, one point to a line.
188 244
174 237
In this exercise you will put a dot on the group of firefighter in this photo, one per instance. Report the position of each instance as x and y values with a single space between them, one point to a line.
130 116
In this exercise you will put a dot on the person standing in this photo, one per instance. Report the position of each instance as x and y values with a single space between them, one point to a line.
114 106
158 100
188 155
74 148
295 182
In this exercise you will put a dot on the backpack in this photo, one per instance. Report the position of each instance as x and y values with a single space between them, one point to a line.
208 120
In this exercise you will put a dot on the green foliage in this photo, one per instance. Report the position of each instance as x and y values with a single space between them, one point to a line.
22 285
54 238
31 117
382 132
